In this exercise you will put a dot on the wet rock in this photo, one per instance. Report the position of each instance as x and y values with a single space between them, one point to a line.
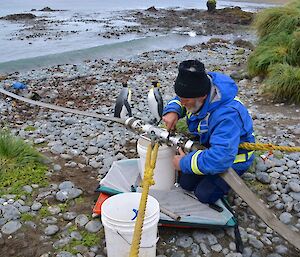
19 16
151 9
46 9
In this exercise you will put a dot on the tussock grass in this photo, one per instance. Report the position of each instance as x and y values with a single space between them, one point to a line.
284 83
273 50
275 20
15 153
20 164
277 55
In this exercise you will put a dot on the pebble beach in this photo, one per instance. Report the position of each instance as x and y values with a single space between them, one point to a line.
80 150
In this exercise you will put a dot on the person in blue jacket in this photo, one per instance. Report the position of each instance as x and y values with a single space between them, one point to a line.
220 122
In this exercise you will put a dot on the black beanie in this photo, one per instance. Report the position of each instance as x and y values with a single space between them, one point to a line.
192 80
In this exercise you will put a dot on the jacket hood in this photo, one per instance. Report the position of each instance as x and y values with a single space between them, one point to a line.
223 90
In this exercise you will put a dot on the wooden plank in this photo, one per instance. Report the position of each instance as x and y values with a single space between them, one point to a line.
259 207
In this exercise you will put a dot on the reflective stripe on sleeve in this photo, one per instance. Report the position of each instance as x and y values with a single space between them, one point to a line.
194 163
243 157
176 101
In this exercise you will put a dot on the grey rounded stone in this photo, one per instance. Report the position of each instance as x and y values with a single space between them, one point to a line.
54 209
281 249
184 241
24 209
274 255
247 252
51 230
66 185
36 206
57 168
65 254
62 242
9 212
49 220
234 255
61 196
81 220
76 235
263 177
69 216
255 243
93 226
286 217
295 195
28 189
92 150
216 248
296 207
295 187
272 198
11 227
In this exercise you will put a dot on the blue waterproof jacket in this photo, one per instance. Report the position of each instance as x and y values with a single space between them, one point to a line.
221 125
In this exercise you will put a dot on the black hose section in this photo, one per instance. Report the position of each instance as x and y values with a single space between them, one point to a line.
238 240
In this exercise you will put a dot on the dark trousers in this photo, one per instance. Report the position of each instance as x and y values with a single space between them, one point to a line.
210 188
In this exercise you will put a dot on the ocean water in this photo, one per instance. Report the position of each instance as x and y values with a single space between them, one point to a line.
17 53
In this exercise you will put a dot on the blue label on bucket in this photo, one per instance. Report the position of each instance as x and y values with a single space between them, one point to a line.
135 213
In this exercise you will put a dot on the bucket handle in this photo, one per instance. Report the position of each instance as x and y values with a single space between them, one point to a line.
140 246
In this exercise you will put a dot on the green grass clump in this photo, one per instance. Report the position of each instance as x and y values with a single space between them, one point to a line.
88 240
271 51
275 20
20 164
277 55
27 216
284 83
30 128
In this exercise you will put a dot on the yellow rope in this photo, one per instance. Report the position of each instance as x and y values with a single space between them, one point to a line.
268 147
147 182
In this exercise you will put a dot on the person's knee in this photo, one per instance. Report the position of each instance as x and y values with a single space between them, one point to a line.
186 186
205 197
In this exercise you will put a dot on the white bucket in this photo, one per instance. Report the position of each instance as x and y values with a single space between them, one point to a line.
164 172
117 213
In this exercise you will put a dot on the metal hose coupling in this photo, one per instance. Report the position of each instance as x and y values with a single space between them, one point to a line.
165 137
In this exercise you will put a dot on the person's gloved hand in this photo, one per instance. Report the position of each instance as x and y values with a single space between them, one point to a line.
177 158
170 120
